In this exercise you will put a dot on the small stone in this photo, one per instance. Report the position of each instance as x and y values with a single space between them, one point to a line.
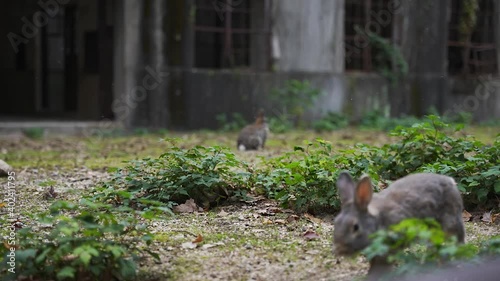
4 169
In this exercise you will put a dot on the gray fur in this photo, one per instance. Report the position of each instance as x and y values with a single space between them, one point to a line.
253 137
414 196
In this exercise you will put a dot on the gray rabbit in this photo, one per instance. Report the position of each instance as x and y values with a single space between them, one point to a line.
414 196
253 137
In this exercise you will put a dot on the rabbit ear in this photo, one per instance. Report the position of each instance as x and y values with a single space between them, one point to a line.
345 186
364 193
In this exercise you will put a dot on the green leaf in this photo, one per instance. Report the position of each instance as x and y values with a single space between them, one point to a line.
497 187
127 268
298 148
41 257
24 255
65 273
85 257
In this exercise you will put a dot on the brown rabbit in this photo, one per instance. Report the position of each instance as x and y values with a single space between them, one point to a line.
253 137
414 196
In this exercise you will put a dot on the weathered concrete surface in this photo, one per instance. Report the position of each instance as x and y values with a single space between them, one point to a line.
424 43
53 127
310 35
211 93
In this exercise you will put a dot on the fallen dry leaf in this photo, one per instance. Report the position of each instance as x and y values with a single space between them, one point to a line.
267 221
3 204
7 246
222 213
50 193
188 207
470 154
18 224
310 235
292 218
208 246
466 216
496 218
487 217
266 212
312 218
446 146
69 258
274 210
280 221
198 239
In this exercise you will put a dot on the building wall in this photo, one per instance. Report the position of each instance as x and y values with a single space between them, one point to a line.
210 94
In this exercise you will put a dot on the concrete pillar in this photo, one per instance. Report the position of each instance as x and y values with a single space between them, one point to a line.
141 96
424 44
158 93
309 35
127 60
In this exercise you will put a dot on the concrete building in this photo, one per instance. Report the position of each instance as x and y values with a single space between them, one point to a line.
179 63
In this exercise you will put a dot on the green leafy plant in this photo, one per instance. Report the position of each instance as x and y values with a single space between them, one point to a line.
388 58
206 174
230 124
378 120
420 244
305 178
461 117
301 179
293 100
34 133
331 122
426 147
85 241
141 131
280 124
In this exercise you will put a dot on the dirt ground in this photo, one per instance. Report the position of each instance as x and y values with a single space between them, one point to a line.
253 240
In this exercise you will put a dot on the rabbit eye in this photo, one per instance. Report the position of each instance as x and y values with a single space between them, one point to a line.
355 227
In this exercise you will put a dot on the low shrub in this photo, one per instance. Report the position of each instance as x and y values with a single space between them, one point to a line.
232 123
206 174
331 122
418 245
429 147
305 178
85 241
